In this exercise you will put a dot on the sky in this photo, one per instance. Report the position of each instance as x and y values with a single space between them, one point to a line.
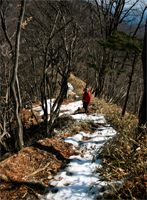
79 180
136 10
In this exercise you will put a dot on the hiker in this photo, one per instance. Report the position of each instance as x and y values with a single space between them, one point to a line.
86 99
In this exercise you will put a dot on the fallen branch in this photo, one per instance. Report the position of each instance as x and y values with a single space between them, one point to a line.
37 171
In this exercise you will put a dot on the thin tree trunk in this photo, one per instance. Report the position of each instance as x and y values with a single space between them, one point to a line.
14 81
129 86
100 77
143 108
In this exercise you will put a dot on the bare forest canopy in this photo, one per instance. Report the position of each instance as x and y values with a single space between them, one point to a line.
43 42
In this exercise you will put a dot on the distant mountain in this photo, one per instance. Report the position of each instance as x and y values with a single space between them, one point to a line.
130 28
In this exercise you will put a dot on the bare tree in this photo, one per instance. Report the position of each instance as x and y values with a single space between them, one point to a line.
129 84
14 84
13 96
143 108
58 63
109 15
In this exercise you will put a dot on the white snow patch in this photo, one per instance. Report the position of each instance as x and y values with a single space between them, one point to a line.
80 180
71 107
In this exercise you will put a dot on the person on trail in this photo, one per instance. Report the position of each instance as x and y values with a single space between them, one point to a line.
86 99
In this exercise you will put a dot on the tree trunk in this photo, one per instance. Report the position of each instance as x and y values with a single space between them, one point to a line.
14 81
100 76
129 86
143 109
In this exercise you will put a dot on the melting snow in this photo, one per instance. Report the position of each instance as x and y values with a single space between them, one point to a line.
79 180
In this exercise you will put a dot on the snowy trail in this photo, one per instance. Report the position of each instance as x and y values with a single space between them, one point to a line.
79 180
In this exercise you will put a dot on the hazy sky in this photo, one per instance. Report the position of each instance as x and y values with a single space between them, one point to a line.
140 3
138 8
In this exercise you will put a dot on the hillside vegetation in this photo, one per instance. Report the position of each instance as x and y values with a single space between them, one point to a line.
124 156
45 45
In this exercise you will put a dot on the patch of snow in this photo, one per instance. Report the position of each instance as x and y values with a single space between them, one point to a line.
80 180
71 107
70 86
95 118
40 110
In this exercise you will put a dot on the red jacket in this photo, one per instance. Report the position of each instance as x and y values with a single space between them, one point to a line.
87 97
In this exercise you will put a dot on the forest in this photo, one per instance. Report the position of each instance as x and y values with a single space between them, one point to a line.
44 44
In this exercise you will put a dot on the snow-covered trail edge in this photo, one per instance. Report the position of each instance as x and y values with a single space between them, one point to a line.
79 180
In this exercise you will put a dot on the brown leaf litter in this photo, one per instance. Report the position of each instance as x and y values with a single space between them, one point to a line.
27 173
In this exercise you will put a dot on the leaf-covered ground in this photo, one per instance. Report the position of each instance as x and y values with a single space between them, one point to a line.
29 171
26 175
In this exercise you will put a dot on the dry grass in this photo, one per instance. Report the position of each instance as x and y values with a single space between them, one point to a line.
66 124
77 83
124 156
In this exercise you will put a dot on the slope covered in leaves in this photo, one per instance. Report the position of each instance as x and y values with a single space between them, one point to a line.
29 171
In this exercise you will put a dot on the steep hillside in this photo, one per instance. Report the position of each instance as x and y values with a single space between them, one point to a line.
26 174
